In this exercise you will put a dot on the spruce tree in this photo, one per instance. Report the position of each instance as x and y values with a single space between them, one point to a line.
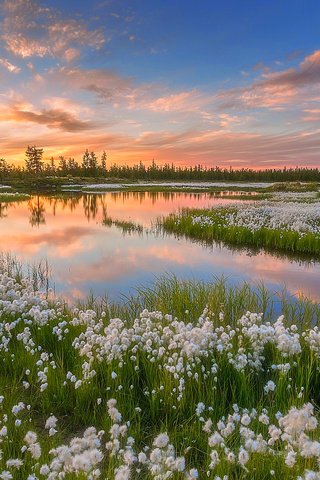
33 159
86 160
104 161
93 162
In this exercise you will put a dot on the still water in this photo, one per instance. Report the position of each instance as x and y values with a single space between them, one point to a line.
86 253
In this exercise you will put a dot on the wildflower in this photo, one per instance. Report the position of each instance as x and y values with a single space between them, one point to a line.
193 473
51 422
5 475
243 456
270 386
161 440
14 463
290 459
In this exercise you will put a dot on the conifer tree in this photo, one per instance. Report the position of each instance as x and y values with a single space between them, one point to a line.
104 160
33 159
93 162
86 160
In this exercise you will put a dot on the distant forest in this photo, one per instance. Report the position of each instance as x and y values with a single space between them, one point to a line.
94 167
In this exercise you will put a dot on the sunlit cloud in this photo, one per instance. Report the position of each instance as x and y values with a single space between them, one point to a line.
277 90
53 119
9 66
31 30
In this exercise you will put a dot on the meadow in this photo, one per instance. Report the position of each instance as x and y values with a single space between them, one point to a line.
183 380
285 222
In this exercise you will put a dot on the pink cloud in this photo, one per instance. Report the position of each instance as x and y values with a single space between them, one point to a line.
311 115
9 66
28 29
276 90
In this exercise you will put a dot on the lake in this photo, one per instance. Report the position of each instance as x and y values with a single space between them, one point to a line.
87 253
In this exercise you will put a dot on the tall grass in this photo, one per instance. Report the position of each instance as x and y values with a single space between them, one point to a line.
147 392
219 230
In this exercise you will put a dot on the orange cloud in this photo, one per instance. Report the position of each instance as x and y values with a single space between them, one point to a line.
177 102
54 118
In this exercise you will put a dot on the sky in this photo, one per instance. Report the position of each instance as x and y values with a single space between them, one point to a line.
232 83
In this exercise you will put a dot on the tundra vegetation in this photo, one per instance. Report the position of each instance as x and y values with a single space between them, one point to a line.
288 223
185 380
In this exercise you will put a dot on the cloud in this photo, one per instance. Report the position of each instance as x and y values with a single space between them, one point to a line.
260 66
276 90
190 100
9 66
51 118
311 115
123 92
106 84
28 30
237 149
307 73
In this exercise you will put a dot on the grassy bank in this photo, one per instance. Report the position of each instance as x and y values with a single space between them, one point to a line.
287 227
187 384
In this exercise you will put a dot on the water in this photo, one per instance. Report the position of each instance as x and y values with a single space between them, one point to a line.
86 256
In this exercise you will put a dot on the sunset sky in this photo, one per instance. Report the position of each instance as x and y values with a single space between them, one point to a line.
193 81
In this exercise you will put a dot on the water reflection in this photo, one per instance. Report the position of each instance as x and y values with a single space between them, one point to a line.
3 209
37 212
95 242
95 204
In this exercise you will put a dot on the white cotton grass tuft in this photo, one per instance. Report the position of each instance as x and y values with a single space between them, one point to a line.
179 366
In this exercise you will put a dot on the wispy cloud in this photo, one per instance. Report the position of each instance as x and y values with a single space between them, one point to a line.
276 90
105 84
28 30
9 66
120 91
311 115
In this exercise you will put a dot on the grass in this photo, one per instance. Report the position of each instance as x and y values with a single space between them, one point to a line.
294 187
219 230
126 226
142 379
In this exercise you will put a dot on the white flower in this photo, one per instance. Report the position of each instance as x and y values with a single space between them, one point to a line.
243 456
193 473
161 440
51 422
5 475
290 459
44 470
270 386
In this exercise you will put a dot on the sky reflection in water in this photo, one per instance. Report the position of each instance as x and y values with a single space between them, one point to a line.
85 255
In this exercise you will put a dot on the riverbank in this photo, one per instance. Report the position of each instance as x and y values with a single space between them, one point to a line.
283 225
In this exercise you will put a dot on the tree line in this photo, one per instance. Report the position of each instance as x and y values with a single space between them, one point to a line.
92 166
